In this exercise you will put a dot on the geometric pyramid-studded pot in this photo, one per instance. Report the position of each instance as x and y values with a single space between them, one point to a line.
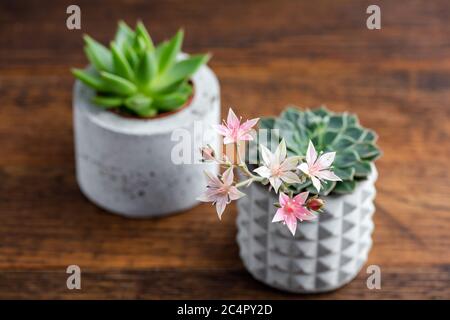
324 255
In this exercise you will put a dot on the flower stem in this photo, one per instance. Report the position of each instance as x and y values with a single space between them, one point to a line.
248 181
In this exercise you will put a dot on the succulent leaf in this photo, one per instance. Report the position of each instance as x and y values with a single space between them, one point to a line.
346 158
98 54
171 101
346 186
108 102
89 79
267 123
140 104
142 33
345 173
147 69
131 56
326 189
116 84
121 65
124 34
362 169
181 70
169 52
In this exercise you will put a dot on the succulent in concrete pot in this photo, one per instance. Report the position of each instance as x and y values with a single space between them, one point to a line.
128 105
327 252
136 77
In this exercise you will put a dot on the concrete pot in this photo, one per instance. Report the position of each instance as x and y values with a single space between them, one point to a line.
124 165
324 255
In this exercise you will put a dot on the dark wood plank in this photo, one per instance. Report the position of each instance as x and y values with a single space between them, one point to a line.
267 54
206 283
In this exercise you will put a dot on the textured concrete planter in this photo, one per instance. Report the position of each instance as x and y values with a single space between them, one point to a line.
324 254
124 165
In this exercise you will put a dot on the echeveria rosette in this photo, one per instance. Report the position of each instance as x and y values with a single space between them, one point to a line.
355 146
137 77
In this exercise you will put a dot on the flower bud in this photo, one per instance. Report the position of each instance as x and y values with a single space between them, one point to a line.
315 204
207 153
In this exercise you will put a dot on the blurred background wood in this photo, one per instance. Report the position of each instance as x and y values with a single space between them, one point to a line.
266 54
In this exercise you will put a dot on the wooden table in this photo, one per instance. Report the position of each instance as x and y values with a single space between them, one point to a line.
267 54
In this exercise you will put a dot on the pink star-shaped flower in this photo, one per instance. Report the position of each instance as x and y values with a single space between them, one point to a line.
220 191
233 130
277 167
293 209
318 167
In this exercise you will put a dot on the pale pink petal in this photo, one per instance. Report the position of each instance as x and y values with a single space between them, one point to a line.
280 152
290 177
228 140
221 129
325 160
213 193
279 216
212 179
316 183
291 223
276 183
246 137
301 197
311 154
328 175
204 198
228 176
220 206
207 153
289 164
283 198
266 155
305 215
263 171
247 125
232 120
304 168
234 193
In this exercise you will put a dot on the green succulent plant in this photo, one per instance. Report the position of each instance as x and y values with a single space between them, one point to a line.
136 77
355 146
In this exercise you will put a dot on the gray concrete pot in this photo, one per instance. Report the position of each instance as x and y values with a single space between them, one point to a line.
124 165
324 255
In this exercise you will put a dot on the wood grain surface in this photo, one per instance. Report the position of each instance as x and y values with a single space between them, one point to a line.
267 54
